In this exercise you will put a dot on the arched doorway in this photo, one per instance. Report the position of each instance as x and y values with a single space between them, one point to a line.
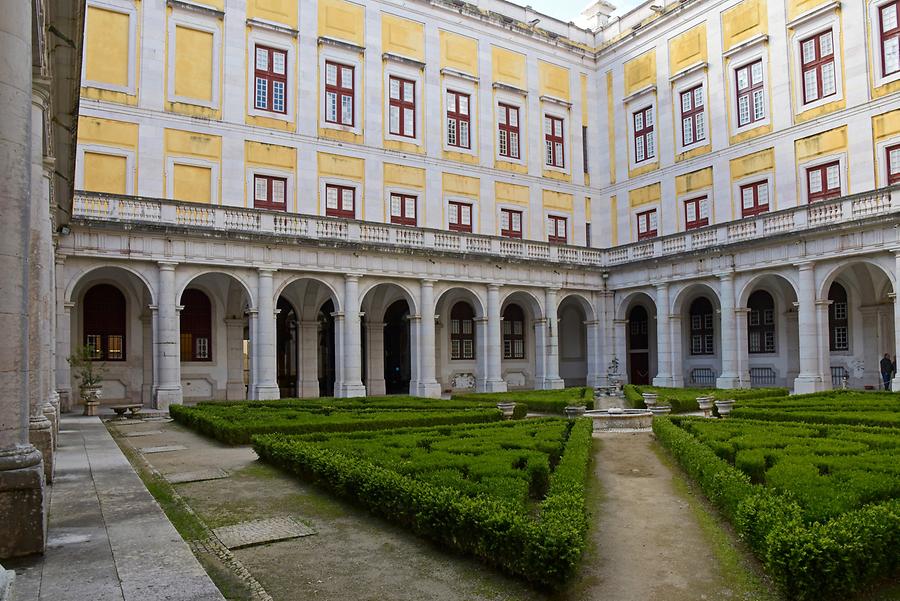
572 341
326 370
638 345
286 339
397 369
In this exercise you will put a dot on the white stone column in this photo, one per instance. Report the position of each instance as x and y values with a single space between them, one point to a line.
663 336
493 381
147 375
234 360
825 348
551 363
352 385
620 330
168 352
810 378
540 357
267 383
63 347
595 368
427 383
253 334
728 334
375 384
21 469
309 359
676 350
742 353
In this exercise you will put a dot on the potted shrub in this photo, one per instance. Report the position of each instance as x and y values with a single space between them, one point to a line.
89 378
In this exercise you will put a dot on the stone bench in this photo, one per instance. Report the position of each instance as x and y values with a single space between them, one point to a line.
134 409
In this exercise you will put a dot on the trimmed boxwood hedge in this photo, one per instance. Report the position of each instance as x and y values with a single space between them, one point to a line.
237 423
685 399
830 559
544 550
834 407
536 401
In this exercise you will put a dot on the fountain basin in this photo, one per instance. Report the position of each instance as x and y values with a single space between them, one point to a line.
625 419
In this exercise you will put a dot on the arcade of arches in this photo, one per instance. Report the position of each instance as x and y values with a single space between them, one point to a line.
172 332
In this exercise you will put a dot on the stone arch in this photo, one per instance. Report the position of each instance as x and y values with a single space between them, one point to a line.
520 372
858 267
763 367
701 363
586 306
81 276
306 280
576 348
385 321
187 280
458 374
637 362
625 304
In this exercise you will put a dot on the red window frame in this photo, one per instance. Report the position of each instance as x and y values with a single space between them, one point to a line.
892 34
335 195
699 220
459 119
693 118
195 322
825 193
557 229
893 177
462 332
509 137
104 319
555 144
271 184
507 217
270 76
513 332
816 64
648 231
400 212
401 105
456 216
643 135
749 86
759 206
341 90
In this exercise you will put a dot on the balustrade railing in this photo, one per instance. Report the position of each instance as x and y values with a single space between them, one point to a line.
132 209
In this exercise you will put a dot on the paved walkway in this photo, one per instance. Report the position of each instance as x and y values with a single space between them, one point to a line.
108 538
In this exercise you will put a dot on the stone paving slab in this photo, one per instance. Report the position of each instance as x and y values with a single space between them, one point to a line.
258 532
162 449
144 433
198 476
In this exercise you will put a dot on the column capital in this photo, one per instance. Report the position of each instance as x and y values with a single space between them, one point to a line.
825 303
266 271
493 286
427 282
725 275
553 289
167 265
352 277
620 322
805 265
68 305
59 258
662 285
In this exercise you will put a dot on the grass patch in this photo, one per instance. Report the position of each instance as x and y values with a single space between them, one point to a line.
537 401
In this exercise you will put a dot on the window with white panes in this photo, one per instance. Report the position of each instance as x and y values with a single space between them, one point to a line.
513 332
508 131
403 209
761 323
458 120
340 201
644 142
269 192
557 229
270 80
696 212
702 327
890 37
817 61
462 332
693 119
823 182
892 161
339 94
647 224
459 216
510 223
838 322
402 107
751 96
754 198
554 142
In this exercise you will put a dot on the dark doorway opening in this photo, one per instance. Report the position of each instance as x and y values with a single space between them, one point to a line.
638 346
326 369
286 336
397 371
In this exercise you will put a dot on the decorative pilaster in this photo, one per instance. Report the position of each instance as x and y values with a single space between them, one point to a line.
375 384
428 385
168 355
308 376
595 368
620 334
551 362
810 377
742 350
267 382
676 341
351 384
492 346
234 360
663 338
729 377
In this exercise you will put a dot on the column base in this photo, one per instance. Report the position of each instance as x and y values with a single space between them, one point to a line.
430 390
728 381
677 381
6 580
235 391
805 384
663 381
895 384
376 387
40 435
50 413
22 495
491 386
167 396
553 384
309 389
350 389
267 392
65 400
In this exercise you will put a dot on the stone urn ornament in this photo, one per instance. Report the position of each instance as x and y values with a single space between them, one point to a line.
573 411
724 407
89 376
507 409
705 403
650 399
661 409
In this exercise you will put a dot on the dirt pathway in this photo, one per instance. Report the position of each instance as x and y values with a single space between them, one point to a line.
647 543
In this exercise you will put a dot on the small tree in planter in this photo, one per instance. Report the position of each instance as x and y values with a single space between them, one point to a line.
89 378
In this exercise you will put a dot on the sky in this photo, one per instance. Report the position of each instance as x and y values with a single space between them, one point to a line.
568 10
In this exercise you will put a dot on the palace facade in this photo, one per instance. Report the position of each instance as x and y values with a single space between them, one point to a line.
326 197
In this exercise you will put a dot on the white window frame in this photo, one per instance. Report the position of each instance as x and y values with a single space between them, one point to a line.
419 194
462 86
841 158
650 206
526 230
213 166
278 41
550 109
347 183
472 202
874 8
414 74
198 22
289 185
683 84
351 58
125 8
763 176
519 101
808 24
640 100
881 159
680 199
115 151
748 54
